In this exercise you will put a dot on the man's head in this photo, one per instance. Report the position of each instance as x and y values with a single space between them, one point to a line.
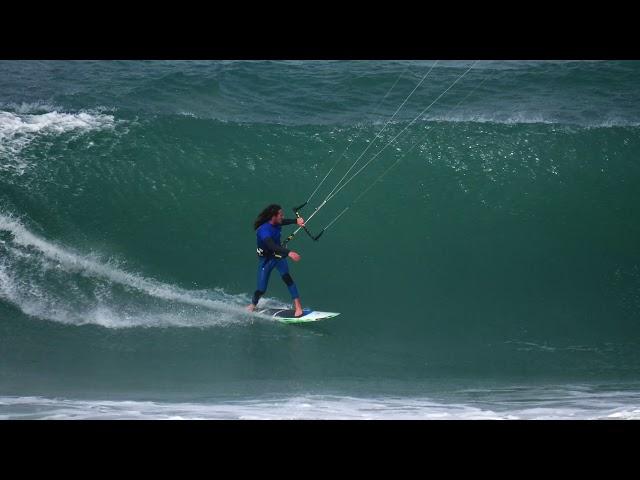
273 213
278 217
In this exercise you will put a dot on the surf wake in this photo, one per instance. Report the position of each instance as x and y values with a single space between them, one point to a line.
52 282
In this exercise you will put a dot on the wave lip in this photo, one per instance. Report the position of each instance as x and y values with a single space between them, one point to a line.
18 129
30 107
523 118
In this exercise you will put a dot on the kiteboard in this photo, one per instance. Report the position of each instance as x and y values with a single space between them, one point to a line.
287 315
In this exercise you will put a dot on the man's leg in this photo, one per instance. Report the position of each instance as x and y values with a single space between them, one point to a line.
283 268
264 270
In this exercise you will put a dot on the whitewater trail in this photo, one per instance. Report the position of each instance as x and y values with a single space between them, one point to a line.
49 281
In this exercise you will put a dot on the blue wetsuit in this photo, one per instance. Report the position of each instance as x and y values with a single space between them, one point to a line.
271 254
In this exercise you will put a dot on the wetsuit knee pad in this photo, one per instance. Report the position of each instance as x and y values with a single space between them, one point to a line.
287 279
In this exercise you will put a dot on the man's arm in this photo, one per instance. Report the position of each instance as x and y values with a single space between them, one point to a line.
289 221
274 247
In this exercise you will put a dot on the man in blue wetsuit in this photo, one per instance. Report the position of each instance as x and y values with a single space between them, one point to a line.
271 254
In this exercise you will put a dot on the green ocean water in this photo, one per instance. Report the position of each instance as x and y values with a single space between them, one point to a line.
501 252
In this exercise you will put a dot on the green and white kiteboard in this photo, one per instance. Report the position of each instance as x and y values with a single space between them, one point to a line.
287 315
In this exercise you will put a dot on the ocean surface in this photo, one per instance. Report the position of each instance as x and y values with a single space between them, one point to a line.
488 265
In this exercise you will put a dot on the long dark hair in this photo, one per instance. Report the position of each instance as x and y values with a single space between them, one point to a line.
266 215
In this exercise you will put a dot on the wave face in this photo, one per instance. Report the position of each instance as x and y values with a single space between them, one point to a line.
504 244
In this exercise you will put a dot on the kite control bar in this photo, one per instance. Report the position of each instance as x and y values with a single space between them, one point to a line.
296 210
315 238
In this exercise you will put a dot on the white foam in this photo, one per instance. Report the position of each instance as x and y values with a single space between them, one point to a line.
306 407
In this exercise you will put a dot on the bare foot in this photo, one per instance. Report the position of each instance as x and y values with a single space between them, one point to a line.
251 307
